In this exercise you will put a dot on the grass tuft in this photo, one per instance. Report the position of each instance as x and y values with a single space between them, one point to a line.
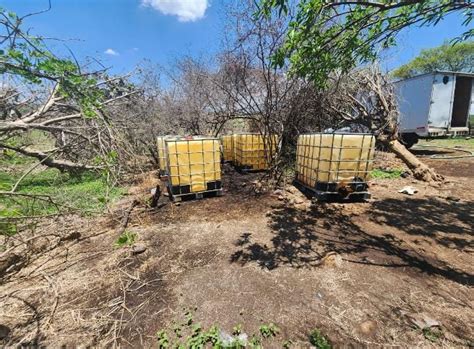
127 238
386 174
87 194
317 339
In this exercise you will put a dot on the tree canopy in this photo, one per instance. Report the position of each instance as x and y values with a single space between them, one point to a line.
26 57
458 57
327 36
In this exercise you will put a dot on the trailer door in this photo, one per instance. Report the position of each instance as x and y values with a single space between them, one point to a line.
441 101
462 101
413 100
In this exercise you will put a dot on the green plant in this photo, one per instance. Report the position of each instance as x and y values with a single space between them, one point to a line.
7 221
335 36
177 330
163 340
237 330
51 191
432 333
457 142
269 330
255 342
386 174
28 58
188 334
445 57
125 239
189 317
317 339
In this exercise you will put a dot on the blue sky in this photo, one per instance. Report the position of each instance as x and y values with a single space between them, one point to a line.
162 30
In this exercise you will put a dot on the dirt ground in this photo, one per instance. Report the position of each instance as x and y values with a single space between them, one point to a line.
360 272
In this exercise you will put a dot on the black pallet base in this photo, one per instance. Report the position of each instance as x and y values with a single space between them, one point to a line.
247 169
326 196
196 196
184 192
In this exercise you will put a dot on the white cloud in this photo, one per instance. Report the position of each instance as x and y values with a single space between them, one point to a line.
111 52
186 10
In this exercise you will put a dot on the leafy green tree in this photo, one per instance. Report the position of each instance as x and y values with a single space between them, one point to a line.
54 96
26 57
57 114
327 36
459 57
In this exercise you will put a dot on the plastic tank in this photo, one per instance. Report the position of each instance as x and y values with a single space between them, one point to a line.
161 149
334 158
251 152
234 142
227 147
193 165
160 145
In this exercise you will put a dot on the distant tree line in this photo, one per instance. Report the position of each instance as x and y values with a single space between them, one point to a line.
456 57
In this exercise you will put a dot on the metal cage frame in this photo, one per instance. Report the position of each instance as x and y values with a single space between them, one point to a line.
262 154
326 190
180 190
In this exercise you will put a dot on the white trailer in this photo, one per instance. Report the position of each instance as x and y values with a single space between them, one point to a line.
434 105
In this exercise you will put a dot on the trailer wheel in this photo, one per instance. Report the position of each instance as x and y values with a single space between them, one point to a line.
409 139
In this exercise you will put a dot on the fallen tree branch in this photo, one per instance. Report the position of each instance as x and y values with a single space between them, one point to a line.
29 171
126 217
62 165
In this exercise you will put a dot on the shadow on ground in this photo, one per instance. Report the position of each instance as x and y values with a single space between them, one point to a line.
444 222
301 238
433 151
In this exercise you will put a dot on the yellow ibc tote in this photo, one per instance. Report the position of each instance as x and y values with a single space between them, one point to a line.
251 152
335 163
193 165
227 147
234 142
160 145
161 149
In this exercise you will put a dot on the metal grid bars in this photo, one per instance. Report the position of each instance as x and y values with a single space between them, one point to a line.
228 148
193 165
334 158
160 146
161 149
251 152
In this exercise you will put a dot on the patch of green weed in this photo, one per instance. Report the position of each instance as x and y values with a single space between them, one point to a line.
6 181
49 191
433 333
461 142
269 330
127 238
237 329
10 158
386 174
86 194
188 334
317 339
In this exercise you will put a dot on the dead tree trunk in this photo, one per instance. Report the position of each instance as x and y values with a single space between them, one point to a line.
366 97
420 170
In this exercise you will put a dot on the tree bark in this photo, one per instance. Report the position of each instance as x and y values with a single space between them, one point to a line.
420 170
